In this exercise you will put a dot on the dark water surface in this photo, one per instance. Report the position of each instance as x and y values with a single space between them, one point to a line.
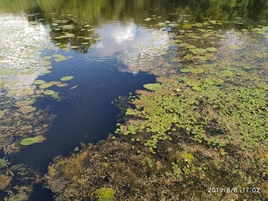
86 118
102 43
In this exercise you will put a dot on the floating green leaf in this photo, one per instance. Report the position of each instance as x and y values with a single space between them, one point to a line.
49 92
37 82
45 71
178 41
211 49
45 85
4 181
32 140
197 70
103 194
197 88
3 163
153 86
26 109
198 51
66 78
62 85
185 70
47 57
226 73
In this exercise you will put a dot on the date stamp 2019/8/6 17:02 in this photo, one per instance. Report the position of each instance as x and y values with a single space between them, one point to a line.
247 190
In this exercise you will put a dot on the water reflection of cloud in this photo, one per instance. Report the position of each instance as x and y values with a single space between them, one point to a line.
20 43
127 41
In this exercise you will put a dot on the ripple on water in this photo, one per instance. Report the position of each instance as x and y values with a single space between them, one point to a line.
88 70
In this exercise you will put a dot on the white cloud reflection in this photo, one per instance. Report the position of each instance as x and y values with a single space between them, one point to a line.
127 41
20 44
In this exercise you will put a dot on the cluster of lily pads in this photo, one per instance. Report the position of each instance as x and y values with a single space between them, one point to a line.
22 123
69 34
203 123
216 105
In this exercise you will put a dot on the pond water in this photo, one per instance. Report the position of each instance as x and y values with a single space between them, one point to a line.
63 65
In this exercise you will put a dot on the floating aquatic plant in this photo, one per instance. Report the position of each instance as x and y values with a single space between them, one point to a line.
153 86
49 92
67 78
27 109
33 140
62 85
4 181
39 82
197 70
3 163
104 194
45 85
211 49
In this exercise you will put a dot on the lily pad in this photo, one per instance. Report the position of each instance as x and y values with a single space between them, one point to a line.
62 85
56 55
45 71
26 109
69 35
153 86
49 92
45 85
61 58
197 70
197 88
66 78
217 80
188 57
39 82
198 51
69 26
227 73
178 41
3 163
22 103
185 70
47 57
4 181
32 140
211 49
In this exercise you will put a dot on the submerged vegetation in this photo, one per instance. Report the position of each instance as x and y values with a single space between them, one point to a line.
201 129
202 126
